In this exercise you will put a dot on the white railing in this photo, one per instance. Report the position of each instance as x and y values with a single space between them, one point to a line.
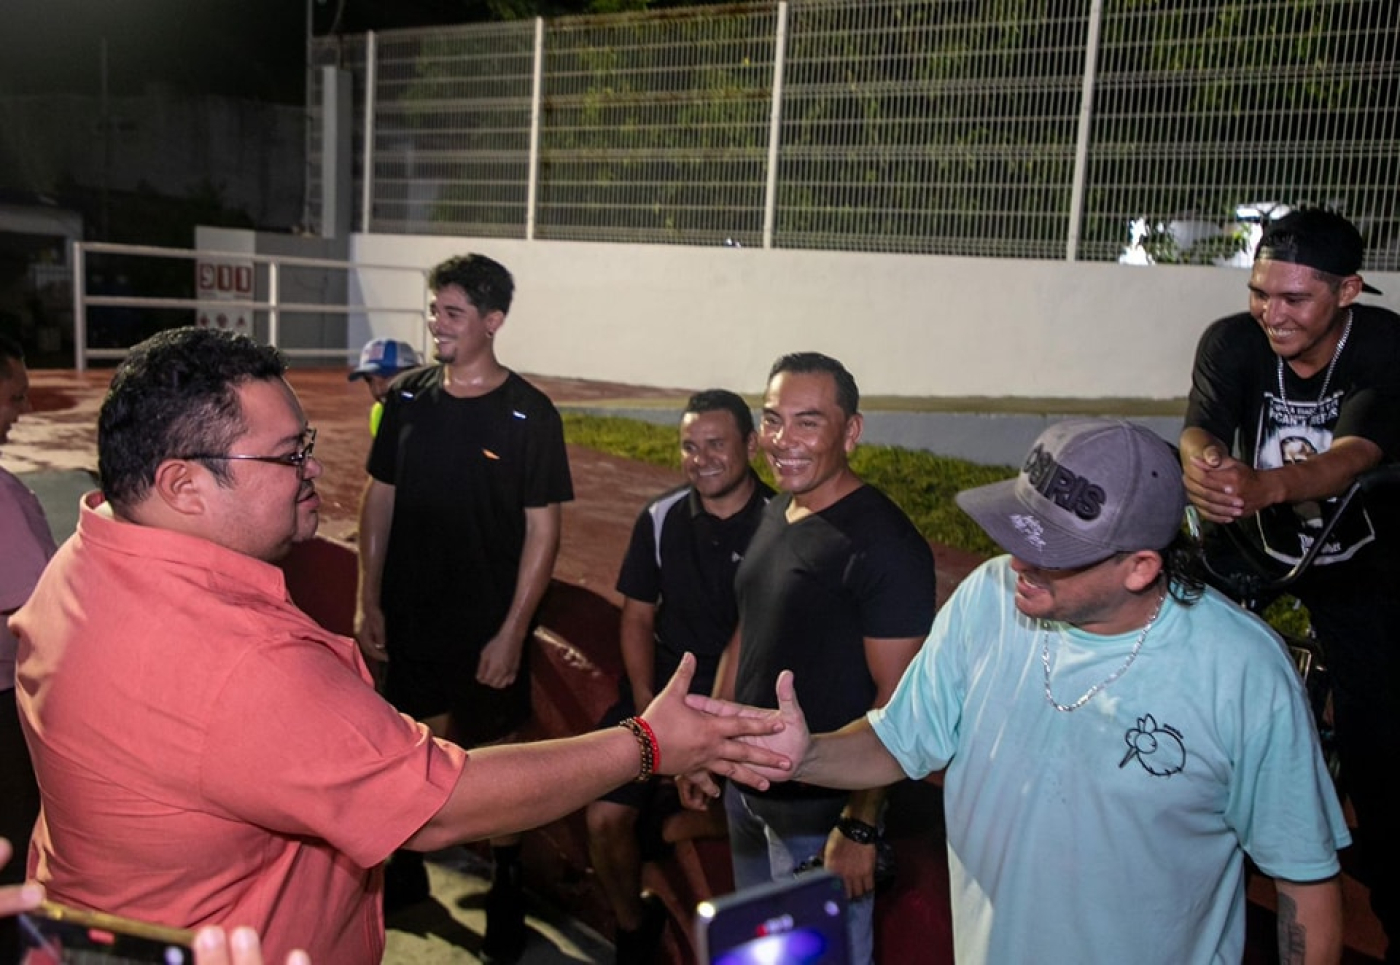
272 307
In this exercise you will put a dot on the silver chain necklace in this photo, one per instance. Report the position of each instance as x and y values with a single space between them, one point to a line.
1326 379
1132 655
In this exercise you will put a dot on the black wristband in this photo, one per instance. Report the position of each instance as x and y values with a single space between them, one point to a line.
858 831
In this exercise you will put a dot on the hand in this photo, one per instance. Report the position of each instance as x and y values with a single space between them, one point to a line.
691 740
853 863
369 634
499 662
1215 484
697 789
241 947
792 742
17 898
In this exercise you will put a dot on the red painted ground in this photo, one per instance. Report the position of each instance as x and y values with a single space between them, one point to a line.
609 491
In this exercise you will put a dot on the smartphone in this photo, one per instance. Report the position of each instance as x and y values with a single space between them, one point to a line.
801 921
54 934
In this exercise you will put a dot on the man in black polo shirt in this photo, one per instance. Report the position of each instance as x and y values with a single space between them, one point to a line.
677 583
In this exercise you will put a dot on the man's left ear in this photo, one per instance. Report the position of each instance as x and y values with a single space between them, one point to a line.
854 425
179 484
1349 290
751 445
493 322
1146 567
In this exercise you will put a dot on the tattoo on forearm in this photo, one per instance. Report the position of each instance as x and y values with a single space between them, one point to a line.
1292 936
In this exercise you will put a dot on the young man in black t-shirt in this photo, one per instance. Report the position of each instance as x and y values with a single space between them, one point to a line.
1304 388
459 529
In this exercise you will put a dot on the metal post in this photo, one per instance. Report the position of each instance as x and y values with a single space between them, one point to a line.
77 260
371 80
536 96
105 110
775 117
309 87
273 315
1081 143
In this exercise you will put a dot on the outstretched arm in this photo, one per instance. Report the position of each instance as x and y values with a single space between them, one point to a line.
851 758
1309 922
509 788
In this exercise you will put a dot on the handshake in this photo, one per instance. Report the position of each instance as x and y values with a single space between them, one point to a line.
702 738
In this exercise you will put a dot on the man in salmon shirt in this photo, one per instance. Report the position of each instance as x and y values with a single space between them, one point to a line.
206 752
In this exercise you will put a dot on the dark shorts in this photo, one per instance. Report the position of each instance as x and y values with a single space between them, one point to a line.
657 798
480 714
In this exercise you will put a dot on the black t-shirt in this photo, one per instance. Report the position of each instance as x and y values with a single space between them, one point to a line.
687 571
463 472
1235 397
812 591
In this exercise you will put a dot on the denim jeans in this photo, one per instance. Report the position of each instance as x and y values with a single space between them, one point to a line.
768 838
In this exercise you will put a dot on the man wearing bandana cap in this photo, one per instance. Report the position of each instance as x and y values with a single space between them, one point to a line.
1116 735
1308 369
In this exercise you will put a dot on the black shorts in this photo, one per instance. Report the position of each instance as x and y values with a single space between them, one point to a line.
480 714
657 798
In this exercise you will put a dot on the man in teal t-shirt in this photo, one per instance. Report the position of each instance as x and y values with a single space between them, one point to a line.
1116 736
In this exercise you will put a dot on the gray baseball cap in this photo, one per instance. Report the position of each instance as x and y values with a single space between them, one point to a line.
1089 488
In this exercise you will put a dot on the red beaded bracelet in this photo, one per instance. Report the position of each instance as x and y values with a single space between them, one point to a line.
646 740
655 745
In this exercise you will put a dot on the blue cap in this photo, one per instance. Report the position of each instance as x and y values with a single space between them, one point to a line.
385 356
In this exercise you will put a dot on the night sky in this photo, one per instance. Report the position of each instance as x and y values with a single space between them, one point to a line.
248 48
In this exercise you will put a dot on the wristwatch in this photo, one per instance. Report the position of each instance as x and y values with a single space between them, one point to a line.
858 831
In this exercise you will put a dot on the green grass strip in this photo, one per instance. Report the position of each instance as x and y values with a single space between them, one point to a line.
922 483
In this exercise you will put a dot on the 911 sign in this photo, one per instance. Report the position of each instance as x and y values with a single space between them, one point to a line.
221 281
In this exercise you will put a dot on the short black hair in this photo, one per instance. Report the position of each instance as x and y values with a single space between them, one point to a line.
722 400
176 393
806 363
486 283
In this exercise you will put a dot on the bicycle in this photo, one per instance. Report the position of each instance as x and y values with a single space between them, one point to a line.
1257 586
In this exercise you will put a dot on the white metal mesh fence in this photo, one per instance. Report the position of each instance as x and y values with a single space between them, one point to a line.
1132 129
656 127
1206 106
452 130
930 127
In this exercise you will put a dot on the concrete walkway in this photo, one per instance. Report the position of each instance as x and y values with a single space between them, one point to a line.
448 928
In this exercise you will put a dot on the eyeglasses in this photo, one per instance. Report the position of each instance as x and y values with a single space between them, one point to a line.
295 459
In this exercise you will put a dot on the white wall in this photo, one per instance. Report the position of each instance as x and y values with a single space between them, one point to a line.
903 324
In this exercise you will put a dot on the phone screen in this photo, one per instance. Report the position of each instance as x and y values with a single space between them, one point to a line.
57 935
796 922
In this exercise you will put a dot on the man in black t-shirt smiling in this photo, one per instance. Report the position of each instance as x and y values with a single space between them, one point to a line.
1304 388
837 586
459 529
